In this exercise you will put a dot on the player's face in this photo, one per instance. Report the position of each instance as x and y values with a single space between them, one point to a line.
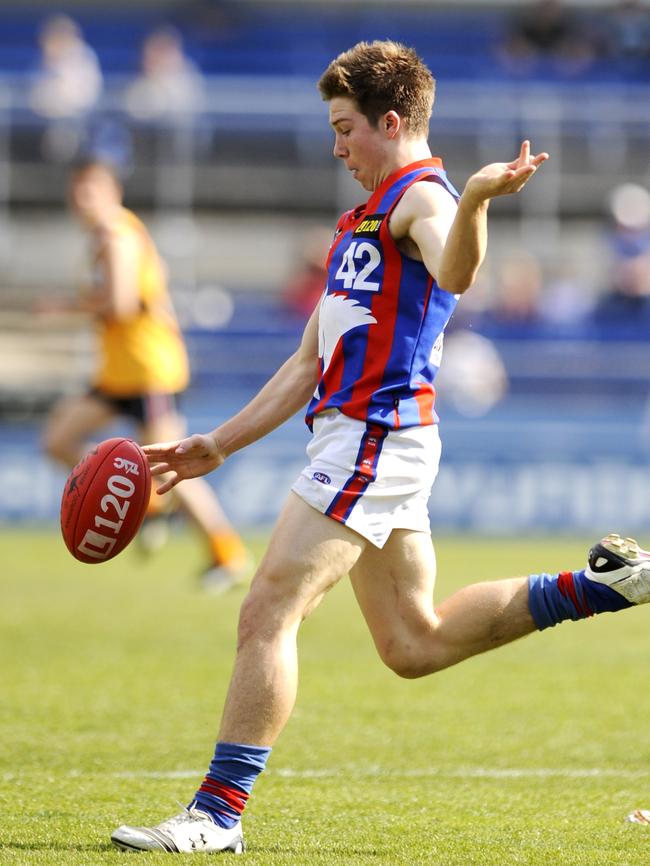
361 146
93 192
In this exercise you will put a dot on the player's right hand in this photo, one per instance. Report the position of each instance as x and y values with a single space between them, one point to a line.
186 458
505 178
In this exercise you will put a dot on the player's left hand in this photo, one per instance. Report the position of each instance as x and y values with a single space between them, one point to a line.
186 458
504 178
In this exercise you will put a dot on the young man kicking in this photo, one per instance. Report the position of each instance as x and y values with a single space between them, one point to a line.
366 365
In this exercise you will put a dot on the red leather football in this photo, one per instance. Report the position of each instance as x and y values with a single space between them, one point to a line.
105 500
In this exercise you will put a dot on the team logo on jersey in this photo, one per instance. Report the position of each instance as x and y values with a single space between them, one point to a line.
369 226
320 476
337 316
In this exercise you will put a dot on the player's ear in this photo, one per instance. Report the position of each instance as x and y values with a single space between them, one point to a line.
391 123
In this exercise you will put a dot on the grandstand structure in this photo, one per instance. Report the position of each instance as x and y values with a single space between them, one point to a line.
261 140
229 191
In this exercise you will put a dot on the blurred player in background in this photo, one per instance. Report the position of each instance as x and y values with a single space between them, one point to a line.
367 362
143 361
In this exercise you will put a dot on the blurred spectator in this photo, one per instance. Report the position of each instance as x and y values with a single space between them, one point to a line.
568 298
518 290
305 286
170 84
626 35
545 37
209 22
629 242
67 86
472 376
70 80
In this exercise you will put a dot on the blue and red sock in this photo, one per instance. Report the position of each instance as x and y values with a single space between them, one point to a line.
224 792
569 595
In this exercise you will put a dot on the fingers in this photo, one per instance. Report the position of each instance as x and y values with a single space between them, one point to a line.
173 478
160 450
526 169
524 153
525 158
166 486
160 468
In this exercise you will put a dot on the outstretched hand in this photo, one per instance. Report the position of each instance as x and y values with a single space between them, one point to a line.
185 458
504 178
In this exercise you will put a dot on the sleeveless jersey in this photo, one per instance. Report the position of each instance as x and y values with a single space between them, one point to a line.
382 316
143 353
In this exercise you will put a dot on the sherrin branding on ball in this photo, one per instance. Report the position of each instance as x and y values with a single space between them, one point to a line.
105 499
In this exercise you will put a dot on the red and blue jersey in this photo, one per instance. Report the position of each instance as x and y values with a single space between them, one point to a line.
382 316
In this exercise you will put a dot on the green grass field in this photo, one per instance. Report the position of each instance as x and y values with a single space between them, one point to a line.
113 677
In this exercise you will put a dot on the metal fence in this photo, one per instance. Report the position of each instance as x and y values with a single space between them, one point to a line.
264 142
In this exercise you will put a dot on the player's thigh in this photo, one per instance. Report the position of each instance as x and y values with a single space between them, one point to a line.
308 553
163 427
75 418
394 588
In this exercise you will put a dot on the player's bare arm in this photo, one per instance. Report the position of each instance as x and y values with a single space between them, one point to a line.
119 297
451 240
421 222
283 395
116 296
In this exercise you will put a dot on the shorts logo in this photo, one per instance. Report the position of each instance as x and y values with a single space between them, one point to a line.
369 226
320 476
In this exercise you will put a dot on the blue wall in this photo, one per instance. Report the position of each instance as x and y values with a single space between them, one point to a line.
566 450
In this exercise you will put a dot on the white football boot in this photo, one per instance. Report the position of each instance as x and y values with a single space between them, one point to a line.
190 832
623 566
217 579
639 816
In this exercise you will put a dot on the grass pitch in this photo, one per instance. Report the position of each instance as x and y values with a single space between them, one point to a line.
113 676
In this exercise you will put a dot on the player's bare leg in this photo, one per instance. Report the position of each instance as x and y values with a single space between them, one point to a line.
71 423
308 553
394 588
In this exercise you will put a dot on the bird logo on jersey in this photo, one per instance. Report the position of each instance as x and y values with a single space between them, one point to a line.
338 315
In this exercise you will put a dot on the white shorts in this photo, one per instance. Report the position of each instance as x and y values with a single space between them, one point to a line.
368 477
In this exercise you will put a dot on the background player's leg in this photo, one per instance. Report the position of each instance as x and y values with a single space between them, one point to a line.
70 424
228 555
394 588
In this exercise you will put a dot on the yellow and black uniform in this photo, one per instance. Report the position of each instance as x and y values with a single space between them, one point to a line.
142 355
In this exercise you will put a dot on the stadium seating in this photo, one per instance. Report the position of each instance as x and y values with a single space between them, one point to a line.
458 44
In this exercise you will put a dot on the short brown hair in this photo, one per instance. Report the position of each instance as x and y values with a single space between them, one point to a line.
380 77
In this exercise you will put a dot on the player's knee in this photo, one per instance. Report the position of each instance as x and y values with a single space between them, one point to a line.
411 660
263 614
253 619
411 668
408 662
